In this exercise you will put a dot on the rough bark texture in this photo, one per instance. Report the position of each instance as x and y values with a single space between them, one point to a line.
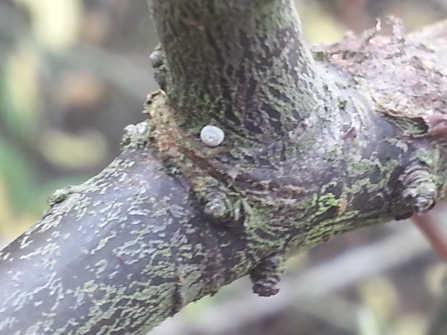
317 143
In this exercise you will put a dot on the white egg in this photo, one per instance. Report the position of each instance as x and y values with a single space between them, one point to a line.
212 135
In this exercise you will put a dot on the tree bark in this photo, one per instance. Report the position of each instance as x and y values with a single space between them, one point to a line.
317 142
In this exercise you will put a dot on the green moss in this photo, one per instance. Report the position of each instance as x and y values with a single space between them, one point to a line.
334 154
342 103
362 166
320 55
325 202
428 158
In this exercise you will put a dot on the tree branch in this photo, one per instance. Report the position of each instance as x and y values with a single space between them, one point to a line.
123 251
313 148
246 59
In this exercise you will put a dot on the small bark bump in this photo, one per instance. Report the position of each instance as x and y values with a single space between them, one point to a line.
419 190
266 275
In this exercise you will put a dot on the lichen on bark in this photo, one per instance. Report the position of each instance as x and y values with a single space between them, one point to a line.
315 145
360 148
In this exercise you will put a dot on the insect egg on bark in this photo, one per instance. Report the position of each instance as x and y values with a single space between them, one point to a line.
212 135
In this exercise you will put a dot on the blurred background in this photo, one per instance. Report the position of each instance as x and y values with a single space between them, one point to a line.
74 73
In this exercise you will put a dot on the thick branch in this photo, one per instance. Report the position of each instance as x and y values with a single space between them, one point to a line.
245 59
116 255
313 149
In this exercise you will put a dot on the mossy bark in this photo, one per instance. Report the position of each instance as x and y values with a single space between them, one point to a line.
317 143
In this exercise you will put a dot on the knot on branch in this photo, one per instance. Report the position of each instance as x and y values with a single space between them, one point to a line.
419 191
266 275
135 136
62 194
59 196
158 62
221 205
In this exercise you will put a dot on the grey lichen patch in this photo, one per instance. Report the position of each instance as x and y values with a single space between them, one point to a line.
342 103
59 196
49 250
103 242
24 243
135 136
101 266
80 205
63 193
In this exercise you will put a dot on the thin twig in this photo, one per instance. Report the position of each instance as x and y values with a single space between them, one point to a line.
434 233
